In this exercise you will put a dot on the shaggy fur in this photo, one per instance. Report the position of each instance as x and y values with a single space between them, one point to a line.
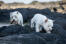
41 20
16 18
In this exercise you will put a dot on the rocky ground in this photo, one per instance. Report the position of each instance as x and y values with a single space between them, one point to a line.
16 34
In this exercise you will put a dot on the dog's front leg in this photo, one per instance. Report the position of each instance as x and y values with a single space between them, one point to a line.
37 28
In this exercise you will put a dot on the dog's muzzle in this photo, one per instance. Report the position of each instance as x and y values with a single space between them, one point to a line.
13 22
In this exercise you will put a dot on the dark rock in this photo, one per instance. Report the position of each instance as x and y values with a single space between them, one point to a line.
16 34
58 30
33 38
14 29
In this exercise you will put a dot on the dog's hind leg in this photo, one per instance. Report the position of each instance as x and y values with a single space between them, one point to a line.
21 23
32 23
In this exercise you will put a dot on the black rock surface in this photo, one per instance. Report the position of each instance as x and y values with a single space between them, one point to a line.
16 34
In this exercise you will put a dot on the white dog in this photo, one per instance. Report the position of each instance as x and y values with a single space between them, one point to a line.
41 20
16 18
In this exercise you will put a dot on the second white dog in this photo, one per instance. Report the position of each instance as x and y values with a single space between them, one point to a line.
41 20
16 18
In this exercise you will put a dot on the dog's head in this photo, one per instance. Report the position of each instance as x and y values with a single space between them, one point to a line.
14 17
48 24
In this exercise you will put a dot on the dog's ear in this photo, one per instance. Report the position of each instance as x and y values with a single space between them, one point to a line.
46 20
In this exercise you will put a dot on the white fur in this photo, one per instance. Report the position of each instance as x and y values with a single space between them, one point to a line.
17 16
39 20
